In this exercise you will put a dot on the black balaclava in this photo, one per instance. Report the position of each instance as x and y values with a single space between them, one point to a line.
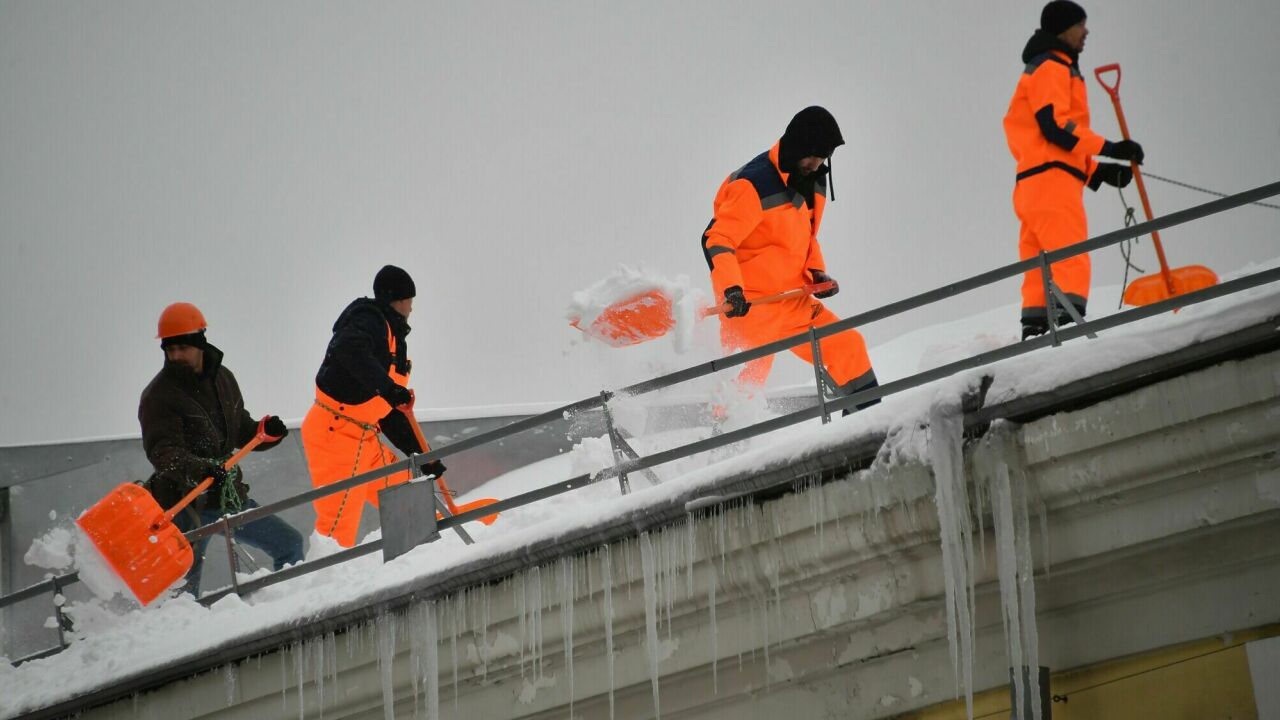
812 132
1059 15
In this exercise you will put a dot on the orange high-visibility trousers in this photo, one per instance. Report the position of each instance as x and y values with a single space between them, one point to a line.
844 354
1051 208
341 442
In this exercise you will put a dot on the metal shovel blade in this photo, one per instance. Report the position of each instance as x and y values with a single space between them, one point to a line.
129 530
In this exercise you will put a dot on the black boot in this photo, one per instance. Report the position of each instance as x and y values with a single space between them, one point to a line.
861 384
1034 326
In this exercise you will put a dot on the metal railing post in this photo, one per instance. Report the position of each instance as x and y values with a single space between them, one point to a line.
1051 315
624 485
816 349
60 619
231 554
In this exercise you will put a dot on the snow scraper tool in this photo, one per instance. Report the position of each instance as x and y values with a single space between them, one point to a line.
1169 283
455 509
647 316
139 540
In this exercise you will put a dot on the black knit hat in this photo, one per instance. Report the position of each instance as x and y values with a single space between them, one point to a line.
1059 15
392 283
195 340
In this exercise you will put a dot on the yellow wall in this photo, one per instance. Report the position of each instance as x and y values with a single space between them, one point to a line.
1206 679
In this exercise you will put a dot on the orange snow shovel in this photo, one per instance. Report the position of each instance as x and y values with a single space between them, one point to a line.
647 316
139 540
1169 283
454 509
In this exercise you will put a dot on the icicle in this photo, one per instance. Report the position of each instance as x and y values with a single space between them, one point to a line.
484 632
431 652
453 643
1017 579
566 621
318 676
606 582
300 669
229 673
536 606
650 616
956 534
386 629
520 609
331 653
284 683
715 639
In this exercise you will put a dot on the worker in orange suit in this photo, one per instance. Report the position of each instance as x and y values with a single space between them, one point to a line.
763 239
1047 127
360 387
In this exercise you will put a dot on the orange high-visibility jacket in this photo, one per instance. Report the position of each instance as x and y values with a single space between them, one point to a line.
764 236
1047 124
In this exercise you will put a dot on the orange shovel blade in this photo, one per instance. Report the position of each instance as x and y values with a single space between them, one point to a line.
149 560
1152 288
466 507
633 320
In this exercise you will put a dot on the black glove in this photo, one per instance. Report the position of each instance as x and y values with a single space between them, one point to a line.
435 467
397 395
274 427
1123 150
738 305
1112 174
820 276
218 473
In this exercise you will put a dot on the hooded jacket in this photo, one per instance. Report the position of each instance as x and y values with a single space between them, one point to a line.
190 424
1047 123
358 360
764 236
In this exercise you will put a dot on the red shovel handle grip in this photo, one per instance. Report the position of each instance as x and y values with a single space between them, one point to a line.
1114 89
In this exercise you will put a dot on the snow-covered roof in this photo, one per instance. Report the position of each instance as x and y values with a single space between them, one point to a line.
112 643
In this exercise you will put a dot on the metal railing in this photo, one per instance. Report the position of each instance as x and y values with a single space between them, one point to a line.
823 409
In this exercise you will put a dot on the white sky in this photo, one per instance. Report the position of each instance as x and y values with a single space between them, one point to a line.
263 160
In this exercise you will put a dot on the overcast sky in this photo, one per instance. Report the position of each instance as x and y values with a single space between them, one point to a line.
263 160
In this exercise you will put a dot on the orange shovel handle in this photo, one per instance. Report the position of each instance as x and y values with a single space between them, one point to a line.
407 409
1114 92
260 437
808 289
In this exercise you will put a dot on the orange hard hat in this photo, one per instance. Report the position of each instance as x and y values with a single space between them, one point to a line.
180 318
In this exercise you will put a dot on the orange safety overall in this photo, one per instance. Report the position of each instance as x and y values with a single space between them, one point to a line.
764 239
1047 128
341 441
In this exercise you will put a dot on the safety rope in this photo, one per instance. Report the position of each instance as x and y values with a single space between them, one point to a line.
365 428
1126 247
229 497
1207 191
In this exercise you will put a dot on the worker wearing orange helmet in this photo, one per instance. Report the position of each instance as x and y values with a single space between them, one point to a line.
1047 128
763 239
360 387
193 418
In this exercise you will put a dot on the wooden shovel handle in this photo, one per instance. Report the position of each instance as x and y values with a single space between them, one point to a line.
260 437
809 289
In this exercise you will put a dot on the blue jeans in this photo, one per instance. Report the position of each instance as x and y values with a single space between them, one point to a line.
270 534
